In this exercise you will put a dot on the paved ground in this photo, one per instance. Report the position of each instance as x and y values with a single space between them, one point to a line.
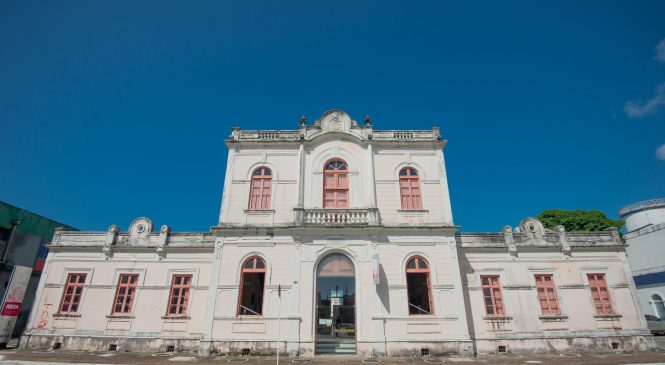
163 359
660 342
618 357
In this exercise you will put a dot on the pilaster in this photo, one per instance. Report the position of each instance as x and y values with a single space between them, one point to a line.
466 346
372 180
293 337
378 313
211 304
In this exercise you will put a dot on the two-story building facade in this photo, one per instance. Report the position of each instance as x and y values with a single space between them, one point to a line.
336 238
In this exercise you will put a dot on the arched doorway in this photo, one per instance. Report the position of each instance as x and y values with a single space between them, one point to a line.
335 304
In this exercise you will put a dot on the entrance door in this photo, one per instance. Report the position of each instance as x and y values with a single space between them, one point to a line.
335 305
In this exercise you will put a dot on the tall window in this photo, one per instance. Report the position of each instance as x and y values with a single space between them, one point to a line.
260 189
336 185
252 280
124 294
660 305
409 188
600 293
418 286
549 302
492 295
71 296
179 296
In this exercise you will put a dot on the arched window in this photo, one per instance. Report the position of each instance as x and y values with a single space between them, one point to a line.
252 282
260 189
660 305
418 286
336 185
409 189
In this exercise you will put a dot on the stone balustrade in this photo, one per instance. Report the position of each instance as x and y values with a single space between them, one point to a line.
265 135
337 217
311 132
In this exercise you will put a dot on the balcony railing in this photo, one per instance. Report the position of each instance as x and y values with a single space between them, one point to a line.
337 217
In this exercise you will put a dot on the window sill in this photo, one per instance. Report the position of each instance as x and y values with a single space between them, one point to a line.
120 316
421 211
176 317
259 211
553 318
66 315
607 316
423 315
501 318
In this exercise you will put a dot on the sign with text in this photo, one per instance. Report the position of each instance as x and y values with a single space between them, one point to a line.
376 269
11 302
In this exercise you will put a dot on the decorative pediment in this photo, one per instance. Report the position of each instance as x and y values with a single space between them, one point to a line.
533 228
139 232
336 121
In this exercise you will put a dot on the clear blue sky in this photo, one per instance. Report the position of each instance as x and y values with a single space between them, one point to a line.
113 110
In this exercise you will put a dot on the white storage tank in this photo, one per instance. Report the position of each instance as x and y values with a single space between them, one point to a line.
642 214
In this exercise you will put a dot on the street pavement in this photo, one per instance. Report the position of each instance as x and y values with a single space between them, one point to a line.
13 356
52 357
660 342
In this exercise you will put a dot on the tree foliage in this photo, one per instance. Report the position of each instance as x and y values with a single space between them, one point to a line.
578 220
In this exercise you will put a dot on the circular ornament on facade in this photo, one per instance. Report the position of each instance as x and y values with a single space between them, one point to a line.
140 227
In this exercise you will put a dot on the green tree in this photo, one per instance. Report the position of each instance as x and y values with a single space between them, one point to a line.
578 220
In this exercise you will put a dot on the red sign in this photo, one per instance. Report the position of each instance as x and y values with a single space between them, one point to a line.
11 309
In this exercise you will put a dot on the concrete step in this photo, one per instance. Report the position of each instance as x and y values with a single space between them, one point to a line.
335 351
336 346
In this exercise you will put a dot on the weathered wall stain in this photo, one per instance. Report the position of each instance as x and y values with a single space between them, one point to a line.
43 318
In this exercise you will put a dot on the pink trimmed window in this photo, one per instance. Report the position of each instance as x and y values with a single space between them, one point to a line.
549 301
125 293
252 282
409 188
418 286
181 285
260 189
600 293
71 296
492 295
336 185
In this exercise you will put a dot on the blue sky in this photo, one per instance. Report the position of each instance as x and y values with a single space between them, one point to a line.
113 110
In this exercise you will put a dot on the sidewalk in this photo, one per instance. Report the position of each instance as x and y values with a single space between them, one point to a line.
15 357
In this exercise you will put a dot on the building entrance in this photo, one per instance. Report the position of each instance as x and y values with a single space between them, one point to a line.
335 305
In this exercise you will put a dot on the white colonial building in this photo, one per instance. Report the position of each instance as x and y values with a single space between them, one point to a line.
336 237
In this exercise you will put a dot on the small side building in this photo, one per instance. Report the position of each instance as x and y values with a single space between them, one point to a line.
24 237
645 237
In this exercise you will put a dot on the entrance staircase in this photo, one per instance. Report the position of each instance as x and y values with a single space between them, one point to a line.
342 346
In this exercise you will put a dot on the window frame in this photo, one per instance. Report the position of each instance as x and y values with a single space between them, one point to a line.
655 305
253 270
608 308
413 201
127 308
336 172
499 311
264 199
75 286
188 286
541 284
418 270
